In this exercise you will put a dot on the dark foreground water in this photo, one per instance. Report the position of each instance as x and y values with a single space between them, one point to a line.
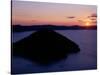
84 60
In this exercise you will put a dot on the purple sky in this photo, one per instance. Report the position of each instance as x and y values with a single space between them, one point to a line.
34 13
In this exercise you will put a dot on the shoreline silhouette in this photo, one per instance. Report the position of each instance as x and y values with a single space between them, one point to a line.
21 28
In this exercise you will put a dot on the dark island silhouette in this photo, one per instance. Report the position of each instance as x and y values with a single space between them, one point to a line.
44 47
21 28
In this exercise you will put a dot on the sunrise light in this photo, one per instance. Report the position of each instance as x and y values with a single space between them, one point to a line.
87 22
34 13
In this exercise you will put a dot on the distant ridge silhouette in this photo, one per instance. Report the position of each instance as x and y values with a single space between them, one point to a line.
20 28
44 47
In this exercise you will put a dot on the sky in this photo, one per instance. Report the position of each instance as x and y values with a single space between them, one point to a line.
43 13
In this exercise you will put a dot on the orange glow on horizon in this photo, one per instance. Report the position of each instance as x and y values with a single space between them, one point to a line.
87 22
42 13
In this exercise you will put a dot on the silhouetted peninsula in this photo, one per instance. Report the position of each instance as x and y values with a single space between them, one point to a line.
44 47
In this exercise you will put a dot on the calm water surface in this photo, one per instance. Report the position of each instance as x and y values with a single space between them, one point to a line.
85 59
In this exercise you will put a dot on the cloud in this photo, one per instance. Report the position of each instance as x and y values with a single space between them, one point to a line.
94 22
79 20
34 20
70 17
94 15
93 19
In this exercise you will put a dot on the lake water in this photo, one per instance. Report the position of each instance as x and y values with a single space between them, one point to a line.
84 60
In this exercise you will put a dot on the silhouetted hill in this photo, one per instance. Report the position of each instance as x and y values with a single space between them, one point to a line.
20 28
44 47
